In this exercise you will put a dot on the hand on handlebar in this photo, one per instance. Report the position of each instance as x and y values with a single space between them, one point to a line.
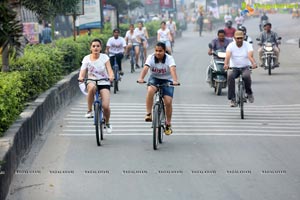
175 83
140 81
254 65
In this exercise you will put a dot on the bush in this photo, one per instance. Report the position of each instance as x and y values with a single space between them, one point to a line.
11 99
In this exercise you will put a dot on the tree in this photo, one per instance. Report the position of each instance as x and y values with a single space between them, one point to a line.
10 33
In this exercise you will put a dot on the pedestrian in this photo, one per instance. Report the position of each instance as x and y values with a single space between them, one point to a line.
200 23
47 34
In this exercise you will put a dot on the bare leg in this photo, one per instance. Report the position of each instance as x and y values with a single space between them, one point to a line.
149 98
105 95
169 109
91 87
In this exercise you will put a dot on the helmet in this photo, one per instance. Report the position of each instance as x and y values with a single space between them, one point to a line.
229 23
267 23
242 28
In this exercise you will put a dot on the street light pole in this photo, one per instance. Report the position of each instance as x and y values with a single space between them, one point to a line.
101 16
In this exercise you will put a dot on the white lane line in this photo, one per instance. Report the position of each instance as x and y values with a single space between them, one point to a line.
180 119
188 130
195 112
190 134
198 105
178 126
257 123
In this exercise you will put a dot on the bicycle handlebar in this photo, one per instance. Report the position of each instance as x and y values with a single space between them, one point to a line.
96 80
161 85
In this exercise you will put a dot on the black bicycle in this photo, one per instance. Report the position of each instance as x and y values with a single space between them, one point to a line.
159 115
116 74
241 97
132 58
99 120
142 56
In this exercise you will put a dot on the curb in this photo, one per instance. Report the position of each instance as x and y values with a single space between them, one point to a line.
17 140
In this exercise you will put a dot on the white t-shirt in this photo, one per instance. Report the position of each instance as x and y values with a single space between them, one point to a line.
96 69
160 70
171 26
239 55
239 20
227 18
163 35
131 37
116 45
140 33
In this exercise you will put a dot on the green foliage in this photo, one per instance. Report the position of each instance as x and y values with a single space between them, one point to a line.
11 97
152 28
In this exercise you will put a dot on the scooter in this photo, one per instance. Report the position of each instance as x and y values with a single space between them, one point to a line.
269 56
218 78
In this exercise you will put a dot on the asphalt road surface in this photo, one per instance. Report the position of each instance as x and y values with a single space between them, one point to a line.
212 154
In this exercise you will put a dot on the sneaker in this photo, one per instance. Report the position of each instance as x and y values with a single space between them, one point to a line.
137 66
148 117
250 98
89 114
168 130
121 73
108 128
232 103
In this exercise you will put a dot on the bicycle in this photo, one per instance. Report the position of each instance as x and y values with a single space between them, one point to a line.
142 58
116 74
241 97
159 115
99 120
132 58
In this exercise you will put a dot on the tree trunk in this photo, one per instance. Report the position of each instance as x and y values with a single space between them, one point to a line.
5 60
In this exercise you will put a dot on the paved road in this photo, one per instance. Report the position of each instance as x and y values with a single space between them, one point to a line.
213 154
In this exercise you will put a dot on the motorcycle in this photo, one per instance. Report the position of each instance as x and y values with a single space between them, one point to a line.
269 56
218 78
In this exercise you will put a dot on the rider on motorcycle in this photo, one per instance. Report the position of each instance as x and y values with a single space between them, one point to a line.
268 36
246 37
229 30
219 43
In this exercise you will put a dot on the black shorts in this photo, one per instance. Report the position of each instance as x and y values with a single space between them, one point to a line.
101 87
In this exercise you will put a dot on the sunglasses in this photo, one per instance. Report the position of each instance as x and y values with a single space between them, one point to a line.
239 38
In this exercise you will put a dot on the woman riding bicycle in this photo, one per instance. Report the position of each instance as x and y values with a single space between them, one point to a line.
97 66
142 34
164 36
163 70
132 42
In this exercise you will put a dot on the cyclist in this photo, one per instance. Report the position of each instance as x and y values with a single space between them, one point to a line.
142 34
163 69
97 66
115 47
171 25
164 36
219 43
240 55
132 42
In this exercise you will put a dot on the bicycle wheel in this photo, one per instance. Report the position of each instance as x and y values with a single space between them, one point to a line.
142 57
98 124
241 98
269 66
162 123
156 126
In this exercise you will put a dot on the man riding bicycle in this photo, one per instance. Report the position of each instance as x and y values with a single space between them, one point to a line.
240 55
115 47
142 35
163 70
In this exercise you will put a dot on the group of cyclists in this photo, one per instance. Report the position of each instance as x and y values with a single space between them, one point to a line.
239 53
162 67
236 43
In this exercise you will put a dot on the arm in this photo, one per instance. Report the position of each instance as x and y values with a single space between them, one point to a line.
109 71
252 60
158 36
143 74
82 74
170 36
227 59
174 75
146 34
107 50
